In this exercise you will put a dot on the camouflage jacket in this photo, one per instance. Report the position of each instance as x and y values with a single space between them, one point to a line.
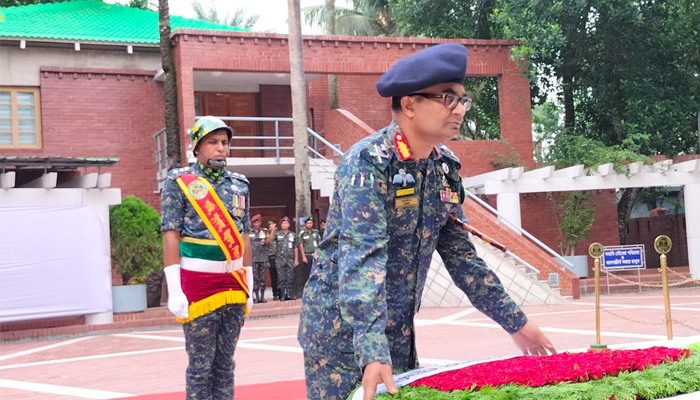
258 244
178 214
285 245
389 213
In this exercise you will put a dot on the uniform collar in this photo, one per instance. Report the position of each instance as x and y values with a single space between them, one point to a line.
396 140
215 175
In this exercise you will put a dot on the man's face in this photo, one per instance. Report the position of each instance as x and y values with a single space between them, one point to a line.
322 225
213 146
285 225
256 224
309 224
431 117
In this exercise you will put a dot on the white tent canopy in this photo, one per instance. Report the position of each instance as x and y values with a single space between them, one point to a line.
508 183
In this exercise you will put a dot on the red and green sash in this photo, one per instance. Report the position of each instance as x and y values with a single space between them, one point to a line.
215 216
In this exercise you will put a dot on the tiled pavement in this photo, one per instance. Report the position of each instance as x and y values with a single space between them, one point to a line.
140 362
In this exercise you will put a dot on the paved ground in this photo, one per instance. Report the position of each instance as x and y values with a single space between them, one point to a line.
125 364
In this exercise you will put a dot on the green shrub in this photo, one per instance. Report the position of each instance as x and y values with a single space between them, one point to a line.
137 243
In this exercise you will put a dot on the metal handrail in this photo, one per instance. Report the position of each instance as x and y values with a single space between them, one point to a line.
525 263
521 231
324 141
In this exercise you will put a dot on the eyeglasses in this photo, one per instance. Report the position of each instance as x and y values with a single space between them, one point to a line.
450 100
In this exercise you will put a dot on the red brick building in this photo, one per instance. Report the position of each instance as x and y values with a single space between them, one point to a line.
100 93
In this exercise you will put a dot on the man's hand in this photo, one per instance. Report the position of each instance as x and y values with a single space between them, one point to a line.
532 341
374 374
273 228
305 260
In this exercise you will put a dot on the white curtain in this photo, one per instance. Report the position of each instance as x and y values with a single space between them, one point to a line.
54 262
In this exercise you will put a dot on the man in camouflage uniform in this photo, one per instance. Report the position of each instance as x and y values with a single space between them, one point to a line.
286 242
272 257
394 193
258 244
191 253
308 240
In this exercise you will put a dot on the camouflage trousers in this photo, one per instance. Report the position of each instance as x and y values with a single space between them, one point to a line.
285 275
259 275
210 341
331 378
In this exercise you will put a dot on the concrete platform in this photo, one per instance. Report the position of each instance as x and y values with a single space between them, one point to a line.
148 361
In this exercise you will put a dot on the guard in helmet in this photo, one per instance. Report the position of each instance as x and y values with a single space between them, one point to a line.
204 220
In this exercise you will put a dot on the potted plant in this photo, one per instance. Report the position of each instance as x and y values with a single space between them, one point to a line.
137 251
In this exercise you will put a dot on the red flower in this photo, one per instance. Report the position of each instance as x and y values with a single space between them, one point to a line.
546 370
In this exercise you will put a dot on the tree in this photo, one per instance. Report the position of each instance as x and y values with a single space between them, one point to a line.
15 3
365 18
172 121
301 137
239 19
333 96
143 5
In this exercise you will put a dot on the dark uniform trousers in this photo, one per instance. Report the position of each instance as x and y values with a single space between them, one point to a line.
273 276
210 341
301 274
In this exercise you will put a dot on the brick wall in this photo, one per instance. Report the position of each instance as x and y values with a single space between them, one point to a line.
103 113
358 61
645 230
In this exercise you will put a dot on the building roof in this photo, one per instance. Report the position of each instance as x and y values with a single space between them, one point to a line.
57 162
91 21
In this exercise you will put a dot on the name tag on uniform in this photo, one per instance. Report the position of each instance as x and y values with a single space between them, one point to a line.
291 245
405 192
403 202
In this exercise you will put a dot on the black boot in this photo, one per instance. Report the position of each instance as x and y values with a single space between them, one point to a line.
256 300
262 296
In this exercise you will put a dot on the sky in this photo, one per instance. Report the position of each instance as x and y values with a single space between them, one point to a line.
273 13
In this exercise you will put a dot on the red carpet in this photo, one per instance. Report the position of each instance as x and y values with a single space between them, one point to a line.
286 390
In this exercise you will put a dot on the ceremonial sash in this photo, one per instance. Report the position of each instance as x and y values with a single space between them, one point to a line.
206 291
215 216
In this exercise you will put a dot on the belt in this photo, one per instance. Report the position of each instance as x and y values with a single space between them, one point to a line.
200 265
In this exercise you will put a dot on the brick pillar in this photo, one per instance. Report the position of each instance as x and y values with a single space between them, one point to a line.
515 112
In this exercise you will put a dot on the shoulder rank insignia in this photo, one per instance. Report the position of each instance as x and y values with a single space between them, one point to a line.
402 146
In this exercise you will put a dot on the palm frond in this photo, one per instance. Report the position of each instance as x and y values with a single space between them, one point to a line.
356 24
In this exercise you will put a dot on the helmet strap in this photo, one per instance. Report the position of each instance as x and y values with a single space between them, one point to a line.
216 163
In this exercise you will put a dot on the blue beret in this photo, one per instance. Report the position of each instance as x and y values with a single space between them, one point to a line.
444 63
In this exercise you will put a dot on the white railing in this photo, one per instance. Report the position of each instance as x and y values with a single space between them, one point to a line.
501 218
279 142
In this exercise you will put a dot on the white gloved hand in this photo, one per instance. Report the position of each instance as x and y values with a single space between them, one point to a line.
177 301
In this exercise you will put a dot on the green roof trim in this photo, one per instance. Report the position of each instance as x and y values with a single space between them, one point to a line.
92 21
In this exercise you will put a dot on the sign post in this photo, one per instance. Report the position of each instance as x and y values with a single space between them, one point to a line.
662 245
596 251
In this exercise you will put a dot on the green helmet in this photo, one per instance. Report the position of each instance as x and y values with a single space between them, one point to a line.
205 126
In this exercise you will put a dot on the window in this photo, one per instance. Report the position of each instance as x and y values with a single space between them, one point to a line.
20 118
